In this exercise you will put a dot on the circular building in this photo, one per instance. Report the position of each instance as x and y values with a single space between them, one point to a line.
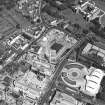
73 74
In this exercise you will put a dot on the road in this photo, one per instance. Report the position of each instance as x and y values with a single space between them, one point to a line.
58 69
74 92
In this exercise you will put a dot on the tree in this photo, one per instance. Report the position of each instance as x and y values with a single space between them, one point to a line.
12 68
8 3
2 102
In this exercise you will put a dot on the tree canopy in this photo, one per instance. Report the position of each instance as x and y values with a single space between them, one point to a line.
8 3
